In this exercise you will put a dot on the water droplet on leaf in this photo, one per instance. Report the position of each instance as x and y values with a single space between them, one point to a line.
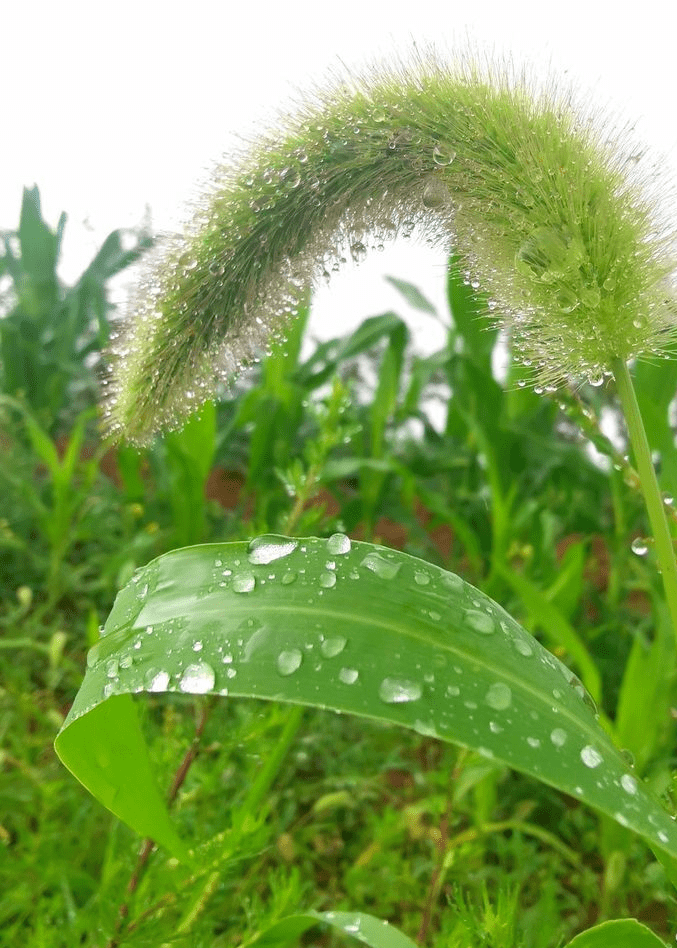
289 661
384 569
197 679
480 622
591 757
267 549
399 691
499 696
243 582
156 680
332 646
338 544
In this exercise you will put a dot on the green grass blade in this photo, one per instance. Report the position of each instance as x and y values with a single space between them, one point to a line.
365 928
353 628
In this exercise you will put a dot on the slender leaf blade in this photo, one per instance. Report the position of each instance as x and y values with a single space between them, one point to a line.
360 629
620 933
365 928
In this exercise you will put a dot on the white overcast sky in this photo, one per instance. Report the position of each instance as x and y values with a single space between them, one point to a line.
112 107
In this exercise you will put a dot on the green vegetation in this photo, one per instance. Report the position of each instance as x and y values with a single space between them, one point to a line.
288 823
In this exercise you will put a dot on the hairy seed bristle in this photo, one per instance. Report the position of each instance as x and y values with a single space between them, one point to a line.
541 201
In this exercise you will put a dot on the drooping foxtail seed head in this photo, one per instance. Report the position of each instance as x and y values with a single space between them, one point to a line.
541 201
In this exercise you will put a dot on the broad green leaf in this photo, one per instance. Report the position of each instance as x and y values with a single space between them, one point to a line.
623 933
365 928
349 627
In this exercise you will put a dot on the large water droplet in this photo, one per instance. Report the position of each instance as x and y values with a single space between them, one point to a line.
499 696
93 655
435 193
523 646
243 582
268 548
421 578
558 736
358 251
338 544
327 580
480 622
332 646
639 546
443 154
629 784
348 676
156 680
399 690
591 757
197 679
384 569
289 661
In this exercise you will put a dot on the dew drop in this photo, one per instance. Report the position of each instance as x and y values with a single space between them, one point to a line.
112 668
639 546
421 578
243 582
338 544
288 578
629 784
590 757
384 569
480 622
333 646
399 691
435 193
197 679
327 580
453 691
558 736
523 646
268 548
197 646
358 251
499 696
662 836
289 661
534 742
442 155
93 655
156 680
349 676
452 581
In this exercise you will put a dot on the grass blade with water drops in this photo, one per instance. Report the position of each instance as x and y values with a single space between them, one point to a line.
365 928
626 932
350 627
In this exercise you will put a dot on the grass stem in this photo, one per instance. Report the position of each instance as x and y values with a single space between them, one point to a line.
649 484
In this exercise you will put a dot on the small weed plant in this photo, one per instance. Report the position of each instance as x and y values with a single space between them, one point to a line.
557 240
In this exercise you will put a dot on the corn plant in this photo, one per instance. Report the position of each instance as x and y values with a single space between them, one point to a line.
544 207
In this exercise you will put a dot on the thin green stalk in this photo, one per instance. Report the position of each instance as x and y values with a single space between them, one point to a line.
649 484
256 794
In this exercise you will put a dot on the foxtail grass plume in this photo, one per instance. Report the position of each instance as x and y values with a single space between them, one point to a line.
541 200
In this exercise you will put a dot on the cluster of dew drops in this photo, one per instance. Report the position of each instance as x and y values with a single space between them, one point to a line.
199 677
